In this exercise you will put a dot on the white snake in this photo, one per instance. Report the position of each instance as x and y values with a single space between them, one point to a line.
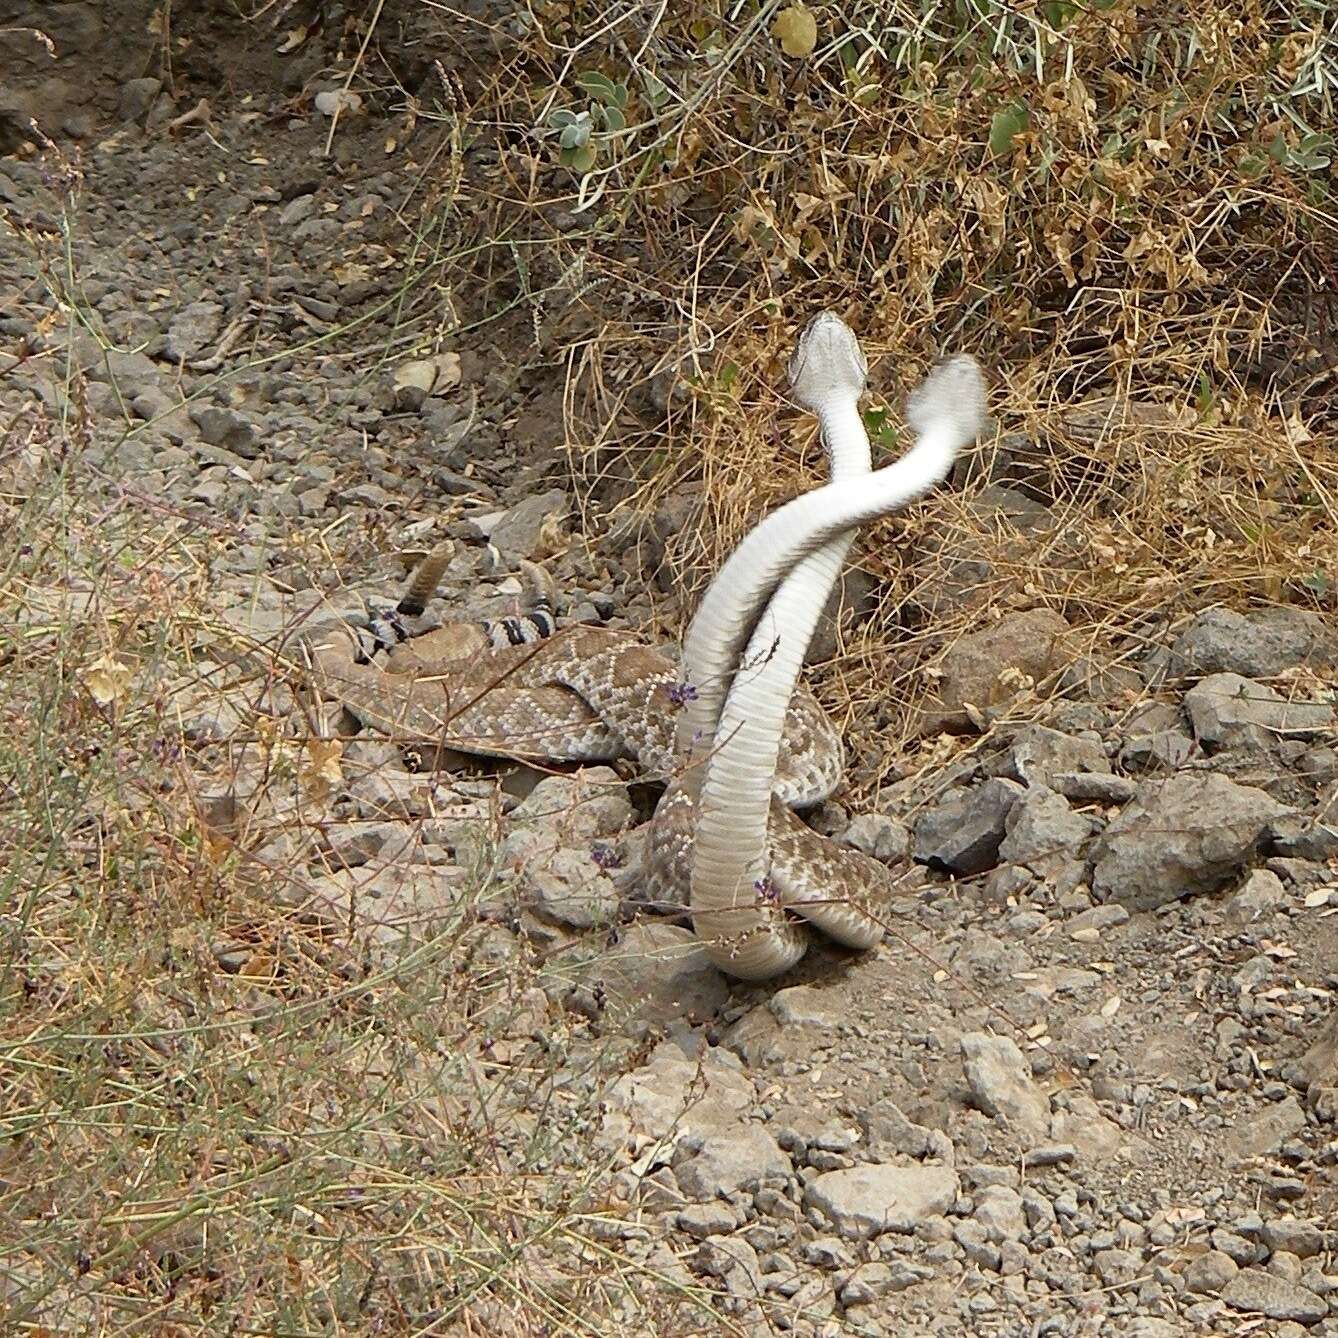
739 898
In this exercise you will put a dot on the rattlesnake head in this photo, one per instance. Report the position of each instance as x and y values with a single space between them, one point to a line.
951 400
827 362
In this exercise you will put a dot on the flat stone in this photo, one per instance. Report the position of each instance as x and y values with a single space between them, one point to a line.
659 972
1252 1289
1228 708
1001 1084
221 426
986 669
672 1097
1260 895
1293 1234
1210 1272
192 330
516 531
864 1201
700 1220
568 888
1096 918
732 1159
963 833
1260 643
878 835
807 1006
1181 836
1260 1133
1038 755
999 1212
1043 832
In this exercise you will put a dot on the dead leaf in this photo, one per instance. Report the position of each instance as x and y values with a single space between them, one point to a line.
292 40
321 770
418 374
796 30
107 679
448 372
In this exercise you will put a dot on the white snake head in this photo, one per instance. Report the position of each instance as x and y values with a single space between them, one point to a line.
827 363
951 398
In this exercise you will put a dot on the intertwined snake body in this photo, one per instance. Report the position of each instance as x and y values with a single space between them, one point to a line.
741 742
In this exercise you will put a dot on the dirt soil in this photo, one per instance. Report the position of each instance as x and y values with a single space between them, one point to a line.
1045 1105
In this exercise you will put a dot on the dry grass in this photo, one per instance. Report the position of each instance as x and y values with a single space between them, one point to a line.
1127 214
220 1112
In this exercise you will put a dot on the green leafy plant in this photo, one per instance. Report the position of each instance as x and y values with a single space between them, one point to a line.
581 134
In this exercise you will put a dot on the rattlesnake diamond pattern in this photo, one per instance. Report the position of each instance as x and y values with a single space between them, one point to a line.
589 694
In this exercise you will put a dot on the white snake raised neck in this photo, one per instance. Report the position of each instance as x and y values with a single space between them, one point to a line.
794 557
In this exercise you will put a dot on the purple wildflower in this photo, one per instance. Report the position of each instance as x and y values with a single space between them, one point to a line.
766 891
681 693
605 858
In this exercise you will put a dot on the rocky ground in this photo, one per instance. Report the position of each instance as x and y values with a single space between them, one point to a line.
1083 1086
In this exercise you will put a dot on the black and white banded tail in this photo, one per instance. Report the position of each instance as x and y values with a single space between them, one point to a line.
385 628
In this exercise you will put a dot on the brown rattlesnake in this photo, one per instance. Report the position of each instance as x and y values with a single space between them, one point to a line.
588 694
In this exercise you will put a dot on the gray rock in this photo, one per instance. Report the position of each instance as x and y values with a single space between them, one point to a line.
1039 1210
808 1006
297 211
999 1211
1259 644
1297 837
876 834
224 427
829 1252
1044 833
1303 1239
130 371
192 330
1001 1084
850 603
659 972
1260 895
137 97
1210 1272
1083 787
1254 1290
733 1261
889 1132
516 531
568 888
867 1283
1115 1266
700 1220
1181 836
1155 739
394 911
676 1097
986 670
1284 1264
1096 918
977 1246
864 1201
575 810
1226 709
1038 755
729 1160
963 832
1266 1129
